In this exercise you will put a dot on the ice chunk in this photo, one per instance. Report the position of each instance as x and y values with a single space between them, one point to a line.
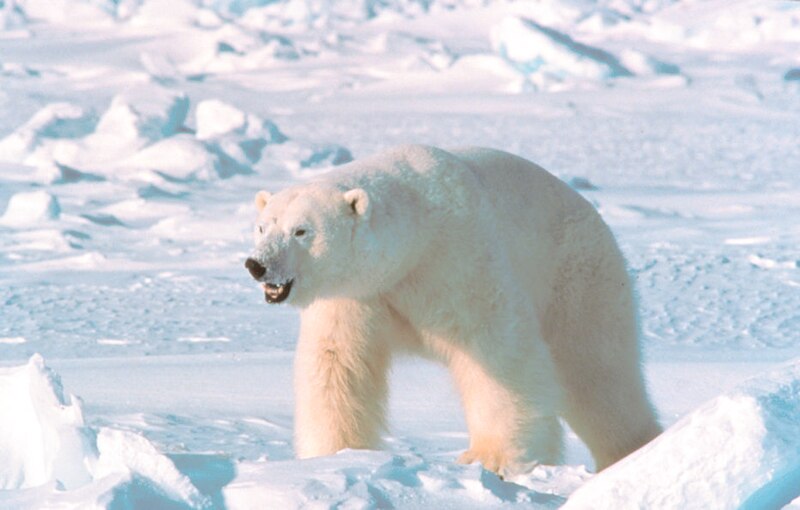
740 450
237 138
179 157
42 434
123 451
646 65
135 119
146 112
30 207
57 120
533 48
11 16
216 118
51 459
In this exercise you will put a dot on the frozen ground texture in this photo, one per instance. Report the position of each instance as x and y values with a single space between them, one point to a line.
134 133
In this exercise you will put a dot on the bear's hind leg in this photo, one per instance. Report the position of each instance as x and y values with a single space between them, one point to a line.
593 336
509 432
341 371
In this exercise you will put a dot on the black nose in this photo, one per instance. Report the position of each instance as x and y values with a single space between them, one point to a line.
256 269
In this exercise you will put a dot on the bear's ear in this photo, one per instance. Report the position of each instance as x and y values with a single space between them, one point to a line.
358 200
262 197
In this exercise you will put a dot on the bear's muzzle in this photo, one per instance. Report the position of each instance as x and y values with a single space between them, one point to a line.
277 293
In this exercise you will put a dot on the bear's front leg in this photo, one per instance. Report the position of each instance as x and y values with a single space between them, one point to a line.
341 371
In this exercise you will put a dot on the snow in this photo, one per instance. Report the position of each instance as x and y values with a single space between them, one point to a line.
134 134
353 479
45 442
57 120
215 117
32 207
147 112
42 432
534 49
416 472
740 450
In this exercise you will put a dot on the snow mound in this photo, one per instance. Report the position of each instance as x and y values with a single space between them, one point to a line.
549 55
12 16
42 435
236 137
57 120
141 137
127 452
145 112
179 157
65 134
216 119
52 459
740 450
29 208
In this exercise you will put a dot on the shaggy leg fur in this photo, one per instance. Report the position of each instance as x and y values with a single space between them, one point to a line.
509 431
341 376
605 399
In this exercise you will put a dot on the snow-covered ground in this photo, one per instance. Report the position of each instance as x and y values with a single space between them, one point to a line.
134 134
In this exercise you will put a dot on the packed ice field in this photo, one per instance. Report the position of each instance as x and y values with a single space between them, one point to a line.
139 365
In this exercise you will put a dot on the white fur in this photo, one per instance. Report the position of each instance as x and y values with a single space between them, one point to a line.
474 257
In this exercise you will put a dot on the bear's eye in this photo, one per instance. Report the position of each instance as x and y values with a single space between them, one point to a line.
261 229
300 232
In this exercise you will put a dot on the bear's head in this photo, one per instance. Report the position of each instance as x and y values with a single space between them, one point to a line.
308 242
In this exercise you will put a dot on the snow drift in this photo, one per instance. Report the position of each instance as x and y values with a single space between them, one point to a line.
740 450
42 434
50 456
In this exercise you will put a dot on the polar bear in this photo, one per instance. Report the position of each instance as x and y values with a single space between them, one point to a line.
479 259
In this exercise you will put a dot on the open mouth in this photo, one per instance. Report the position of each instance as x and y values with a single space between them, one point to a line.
277 293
